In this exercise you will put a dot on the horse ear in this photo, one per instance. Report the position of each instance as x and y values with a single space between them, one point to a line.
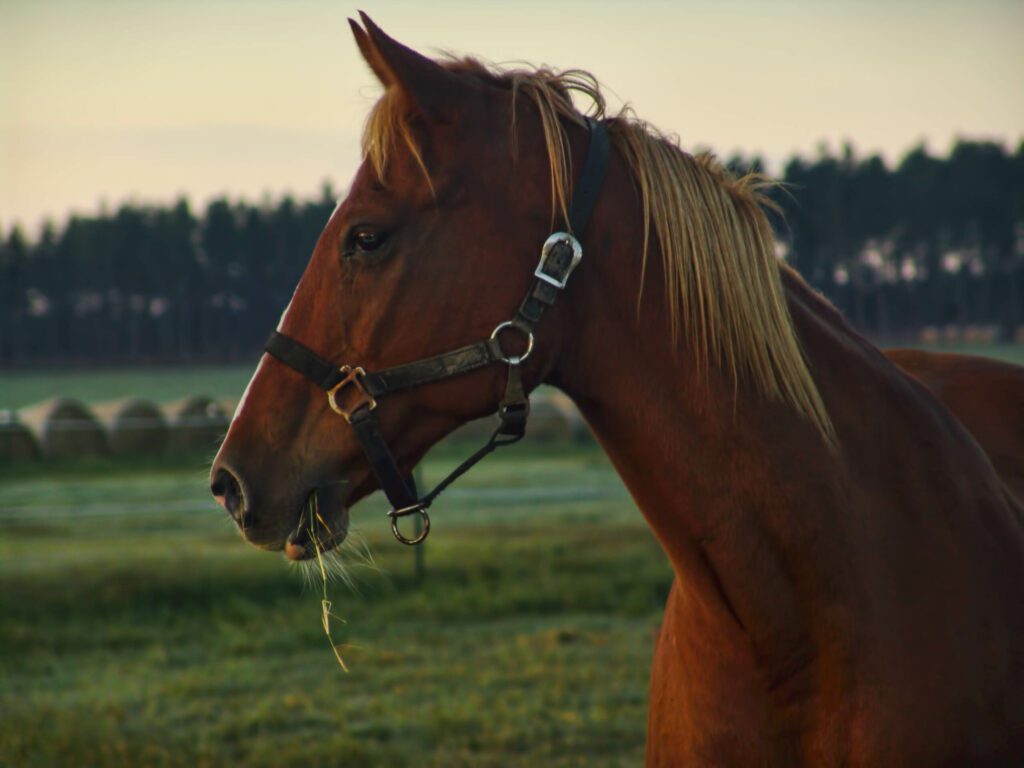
428 86
370 55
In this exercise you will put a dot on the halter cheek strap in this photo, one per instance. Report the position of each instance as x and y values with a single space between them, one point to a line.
353 393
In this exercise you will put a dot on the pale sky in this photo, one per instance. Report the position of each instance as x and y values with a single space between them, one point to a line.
138 100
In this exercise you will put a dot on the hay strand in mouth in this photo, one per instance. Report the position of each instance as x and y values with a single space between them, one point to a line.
326 614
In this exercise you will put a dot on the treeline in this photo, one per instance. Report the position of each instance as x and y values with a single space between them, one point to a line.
932 242
153 284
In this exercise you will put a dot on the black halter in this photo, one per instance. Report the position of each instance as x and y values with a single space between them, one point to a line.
353 392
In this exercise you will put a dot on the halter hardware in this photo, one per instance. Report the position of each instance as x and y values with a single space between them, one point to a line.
513 359
553 259
352 377
559 256
413 509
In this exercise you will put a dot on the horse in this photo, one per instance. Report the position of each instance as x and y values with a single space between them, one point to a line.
985 395
849 567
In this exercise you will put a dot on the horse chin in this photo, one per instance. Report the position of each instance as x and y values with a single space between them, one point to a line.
321 524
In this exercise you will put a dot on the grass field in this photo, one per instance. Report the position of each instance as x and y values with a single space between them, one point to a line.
159 383
21 388
136 629
1012 353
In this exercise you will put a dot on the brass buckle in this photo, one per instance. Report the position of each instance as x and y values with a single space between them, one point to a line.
353 376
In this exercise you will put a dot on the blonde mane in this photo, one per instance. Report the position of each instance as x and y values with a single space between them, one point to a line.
717 247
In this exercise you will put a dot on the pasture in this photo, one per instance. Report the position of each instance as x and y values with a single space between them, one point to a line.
138 630
21 388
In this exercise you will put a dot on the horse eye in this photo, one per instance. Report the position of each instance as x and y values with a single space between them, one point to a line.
363 240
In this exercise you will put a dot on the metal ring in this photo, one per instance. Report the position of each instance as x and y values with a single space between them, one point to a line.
513 359
394 515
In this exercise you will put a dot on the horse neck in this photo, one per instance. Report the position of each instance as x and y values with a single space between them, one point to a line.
743 493
707 463
762 520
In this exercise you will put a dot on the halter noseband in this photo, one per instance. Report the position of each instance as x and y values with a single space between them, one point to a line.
353 392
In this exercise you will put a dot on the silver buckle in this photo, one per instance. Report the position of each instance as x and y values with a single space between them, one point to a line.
551 242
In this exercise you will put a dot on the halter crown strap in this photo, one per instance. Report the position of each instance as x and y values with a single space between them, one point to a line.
562 251
587 189
352 392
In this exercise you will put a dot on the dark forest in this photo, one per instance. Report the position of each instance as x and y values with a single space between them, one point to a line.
934 242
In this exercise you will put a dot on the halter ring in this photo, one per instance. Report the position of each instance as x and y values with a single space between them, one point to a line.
513 359
415 509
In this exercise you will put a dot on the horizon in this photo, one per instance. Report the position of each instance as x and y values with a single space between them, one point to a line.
272 198
116 104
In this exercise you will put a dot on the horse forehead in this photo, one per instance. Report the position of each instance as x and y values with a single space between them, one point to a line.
452 154
405 188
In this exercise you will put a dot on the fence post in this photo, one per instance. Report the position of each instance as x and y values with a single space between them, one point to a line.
419 566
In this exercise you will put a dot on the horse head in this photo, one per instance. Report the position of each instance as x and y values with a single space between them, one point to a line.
433 247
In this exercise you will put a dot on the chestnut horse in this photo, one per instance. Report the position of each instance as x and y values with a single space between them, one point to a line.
849 567
986 396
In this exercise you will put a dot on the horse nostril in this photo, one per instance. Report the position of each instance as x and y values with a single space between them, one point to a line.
227 490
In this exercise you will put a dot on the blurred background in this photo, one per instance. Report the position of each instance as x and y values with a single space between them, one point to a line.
165 171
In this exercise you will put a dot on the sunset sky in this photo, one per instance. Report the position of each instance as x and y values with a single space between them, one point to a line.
114 101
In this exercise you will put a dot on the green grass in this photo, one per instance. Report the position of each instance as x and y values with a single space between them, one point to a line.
1012 353
138 630
162 384
21 388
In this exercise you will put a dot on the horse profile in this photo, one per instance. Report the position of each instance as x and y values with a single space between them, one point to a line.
849 566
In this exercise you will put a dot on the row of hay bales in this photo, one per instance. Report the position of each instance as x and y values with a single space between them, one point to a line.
62 427
969 334
553 417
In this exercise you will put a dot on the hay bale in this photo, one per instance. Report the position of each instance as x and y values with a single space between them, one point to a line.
229 405
577 425
16 441
134 426
553 417
64 428
196 423
549 419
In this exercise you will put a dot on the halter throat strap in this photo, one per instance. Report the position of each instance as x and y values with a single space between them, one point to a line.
353 392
